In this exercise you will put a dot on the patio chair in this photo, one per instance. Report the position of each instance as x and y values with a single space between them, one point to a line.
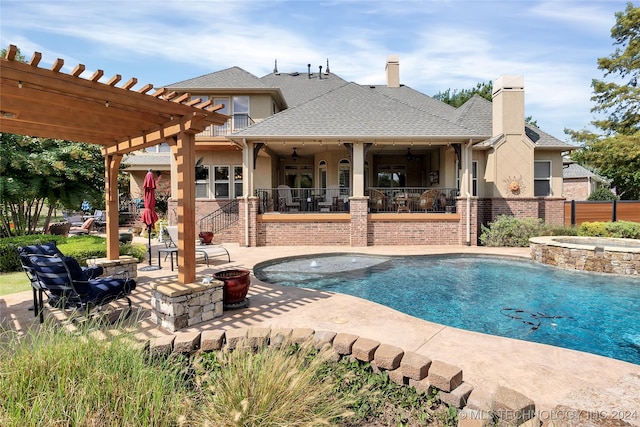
100 220
205 250
377 201
427 200
331 195
287 202
85 228
66 284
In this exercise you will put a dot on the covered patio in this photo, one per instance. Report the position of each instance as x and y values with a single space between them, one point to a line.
49 103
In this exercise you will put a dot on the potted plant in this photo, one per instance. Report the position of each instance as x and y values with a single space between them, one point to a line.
236 285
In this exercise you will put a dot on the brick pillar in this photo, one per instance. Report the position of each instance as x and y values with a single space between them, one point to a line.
250 204
461 207
359 220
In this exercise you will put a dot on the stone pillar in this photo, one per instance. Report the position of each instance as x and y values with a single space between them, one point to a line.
359 220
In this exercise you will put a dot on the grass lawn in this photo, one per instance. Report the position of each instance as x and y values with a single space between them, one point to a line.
11 283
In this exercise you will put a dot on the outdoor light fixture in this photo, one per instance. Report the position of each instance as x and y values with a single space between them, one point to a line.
20 84
106 104
294 155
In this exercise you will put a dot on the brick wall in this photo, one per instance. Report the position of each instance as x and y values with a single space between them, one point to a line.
320 233
576 189
437 232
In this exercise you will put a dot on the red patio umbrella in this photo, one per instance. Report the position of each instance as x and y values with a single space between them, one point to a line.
149 215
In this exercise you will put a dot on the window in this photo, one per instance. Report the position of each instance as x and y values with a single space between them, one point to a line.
240 112
160 148
344 174
474 178
322 174
202 181
224 129
237 181
221 182
542 178
298 176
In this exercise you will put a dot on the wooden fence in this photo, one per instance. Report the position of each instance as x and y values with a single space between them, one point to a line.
575 213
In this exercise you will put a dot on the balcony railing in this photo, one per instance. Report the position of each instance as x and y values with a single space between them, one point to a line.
303 200
316 200
235 123
412 199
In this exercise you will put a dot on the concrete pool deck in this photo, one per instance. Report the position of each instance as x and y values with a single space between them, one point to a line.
549 375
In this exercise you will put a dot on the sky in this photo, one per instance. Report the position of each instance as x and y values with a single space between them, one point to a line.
441 44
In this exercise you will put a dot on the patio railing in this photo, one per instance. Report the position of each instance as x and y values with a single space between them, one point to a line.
235 123
301 200
316 200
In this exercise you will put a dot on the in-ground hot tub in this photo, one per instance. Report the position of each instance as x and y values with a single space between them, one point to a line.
599 254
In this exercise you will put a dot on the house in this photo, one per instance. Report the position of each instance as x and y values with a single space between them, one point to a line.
578 182
309 158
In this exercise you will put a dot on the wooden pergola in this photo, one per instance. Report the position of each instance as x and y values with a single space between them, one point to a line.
48 103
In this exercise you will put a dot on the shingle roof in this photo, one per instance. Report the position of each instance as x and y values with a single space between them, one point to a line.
415 99
353 111
298 88
477 114
230 78
574 170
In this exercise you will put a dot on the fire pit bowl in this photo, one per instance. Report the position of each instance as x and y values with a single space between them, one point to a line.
236 285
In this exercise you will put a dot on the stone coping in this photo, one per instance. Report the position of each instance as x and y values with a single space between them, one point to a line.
502 406
105 262
172 289
590 243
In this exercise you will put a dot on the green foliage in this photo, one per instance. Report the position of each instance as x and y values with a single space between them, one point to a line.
270 387
55 377
618 229
603 193
458 98
615 150
39 172
510 231
80 247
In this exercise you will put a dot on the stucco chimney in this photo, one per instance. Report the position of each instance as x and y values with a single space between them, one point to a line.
508 105
393 71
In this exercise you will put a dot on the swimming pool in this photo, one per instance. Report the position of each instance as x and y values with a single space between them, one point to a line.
508 297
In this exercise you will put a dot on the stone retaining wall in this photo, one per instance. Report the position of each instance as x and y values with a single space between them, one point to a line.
477 408
126 264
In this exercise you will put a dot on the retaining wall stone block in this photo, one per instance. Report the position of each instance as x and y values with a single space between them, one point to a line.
258 337
414 365
364 349
280 336
235 338
388 357
300 335
444 376
474 418
343 343
458 396
322 339
211 340
162 345
512 407
186 342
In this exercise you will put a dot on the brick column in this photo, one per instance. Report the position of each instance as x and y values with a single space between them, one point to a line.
250 204
359 220
461 207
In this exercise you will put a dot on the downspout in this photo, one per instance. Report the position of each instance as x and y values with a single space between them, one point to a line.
467 193
245 196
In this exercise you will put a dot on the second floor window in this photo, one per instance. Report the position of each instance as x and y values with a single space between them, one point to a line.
240 112
542 178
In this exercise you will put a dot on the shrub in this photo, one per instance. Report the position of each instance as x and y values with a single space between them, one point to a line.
619 229
79 247
603 193
510 231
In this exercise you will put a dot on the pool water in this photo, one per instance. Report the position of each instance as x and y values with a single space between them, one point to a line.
508 297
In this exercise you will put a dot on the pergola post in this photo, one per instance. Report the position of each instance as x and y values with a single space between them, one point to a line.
185 156
111 167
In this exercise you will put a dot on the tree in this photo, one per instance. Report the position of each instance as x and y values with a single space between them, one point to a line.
614 151
40 172
458 98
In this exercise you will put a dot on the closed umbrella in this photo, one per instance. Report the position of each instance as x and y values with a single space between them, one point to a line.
149 215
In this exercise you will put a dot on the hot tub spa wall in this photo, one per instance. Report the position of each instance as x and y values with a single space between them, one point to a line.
585 257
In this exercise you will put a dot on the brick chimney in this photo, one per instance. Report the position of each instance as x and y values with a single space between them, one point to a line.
393 71
508 105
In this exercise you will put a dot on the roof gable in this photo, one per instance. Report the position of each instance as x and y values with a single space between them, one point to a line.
354 111
230 78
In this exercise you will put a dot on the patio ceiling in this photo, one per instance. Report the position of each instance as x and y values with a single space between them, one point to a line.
48 103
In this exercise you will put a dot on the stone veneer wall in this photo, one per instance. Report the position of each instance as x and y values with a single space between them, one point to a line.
575 258
125 265
477 408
